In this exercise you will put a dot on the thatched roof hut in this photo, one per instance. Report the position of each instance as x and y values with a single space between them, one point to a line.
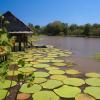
15 25
17 28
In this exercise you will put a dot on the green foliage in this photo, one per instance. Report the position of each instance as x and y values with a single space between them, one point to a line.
64 29
21 62
3 69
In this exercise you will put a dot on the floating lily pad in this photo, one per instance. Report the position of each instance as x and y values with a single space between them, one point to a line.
27 70
60 64
72 71
47 95
51 84
67 91
49 58
51 68
34 62
13 73
30 89
93 91
56 71
93 75
59 77
43 61
23 96
41 74
52 56
3 94
41 65
93 81
6 84
57 60
39 80
28 65
74 81
84 97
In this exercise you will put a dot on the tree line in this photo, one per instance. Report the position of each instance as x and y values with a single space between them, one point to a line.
64 29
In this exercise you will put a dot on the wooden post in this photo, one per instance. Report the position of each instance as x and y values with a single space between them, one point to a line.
19 42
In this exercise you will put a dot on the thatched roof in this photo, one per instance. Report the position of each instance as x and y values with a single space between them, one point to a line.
15 25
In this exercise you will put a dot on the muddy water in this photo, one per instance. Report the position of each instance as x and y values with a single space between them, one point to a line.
82 48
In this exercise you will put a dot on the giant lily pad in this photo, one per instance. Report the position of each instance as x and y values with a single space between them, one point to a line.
49 58
93 75
93 91
93 81
57 60
59 77
60 64
23 96
56 71
3 94
41 74
51 84
72 71
74 81
30 89
6 84
13 73
67 91
39 80
27 70
47 95
43 61
51 68
84 97
41 65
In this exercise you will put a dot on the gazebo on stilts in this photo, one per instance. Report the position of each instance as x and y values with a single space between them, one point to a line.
17 29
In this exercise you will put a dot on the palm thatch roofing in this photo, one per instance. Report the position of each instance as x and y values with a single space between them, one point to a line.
15 25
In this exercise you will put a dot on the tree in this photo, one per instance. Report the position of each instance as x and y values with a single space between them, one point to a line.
87 28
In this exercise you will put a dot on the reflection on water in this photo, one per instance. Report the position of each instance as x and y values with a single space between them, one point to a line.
79 46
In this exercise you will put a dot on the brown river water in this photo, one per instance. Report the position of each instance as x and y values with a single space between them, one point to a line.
83 49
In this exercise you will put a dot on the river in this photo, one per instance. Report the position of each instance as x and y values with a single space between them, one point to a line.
83 49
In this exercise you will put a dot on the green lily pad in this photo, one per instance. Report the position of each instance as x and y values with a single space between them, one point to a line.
39 80
56 71
47 95
6 84
67 91
3 94
43 61
93 91
48 58
51 84
59 64
27 70
41 74
74 81
57 60
93 75
28 65
30 89
59 77
93 81
84 97
51 68
41 65
72 71
11 73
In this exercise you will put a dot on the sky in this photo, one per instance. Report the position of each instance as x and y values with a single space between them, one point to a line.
42 12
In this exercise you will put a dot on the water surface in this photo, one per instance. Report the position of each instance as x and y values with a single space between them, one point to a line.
80 47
